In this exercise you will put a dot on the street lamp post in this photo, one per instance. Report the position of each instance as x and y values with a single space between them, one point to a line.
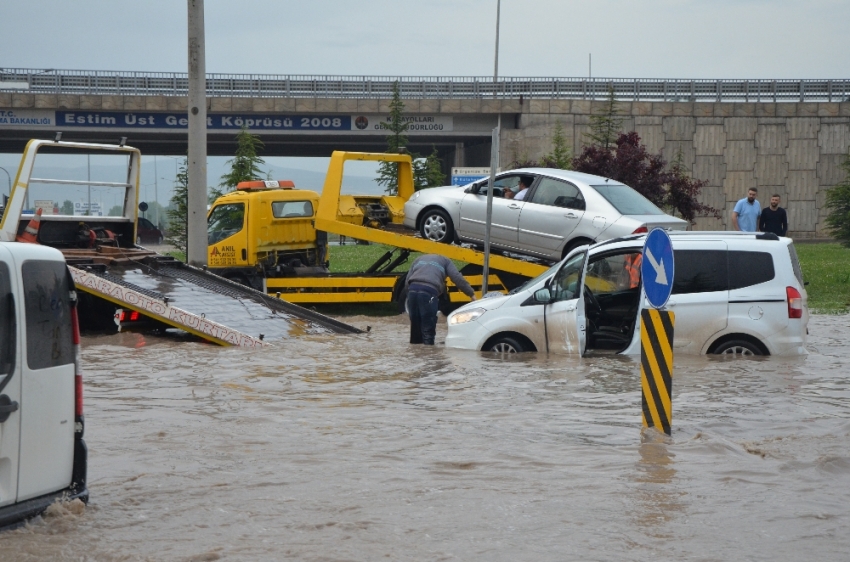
494 162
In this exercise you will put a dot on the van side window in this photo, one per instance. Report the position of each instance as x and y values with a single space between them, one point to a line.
749 268
7 323
565 284
291 209
699 271
48 314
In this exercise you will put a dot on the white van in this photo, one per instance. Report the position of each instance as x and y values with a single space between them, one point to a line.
733 293
42 453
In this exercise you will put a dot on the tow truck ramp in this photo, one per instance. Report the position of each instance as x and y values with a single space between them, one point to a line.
196 301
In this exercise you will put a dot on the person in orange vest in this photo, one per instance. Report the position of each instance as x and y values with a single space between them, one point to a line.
631 267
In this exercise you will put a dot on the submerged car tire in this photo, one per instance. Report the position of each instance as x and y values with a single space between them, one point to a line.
506 344
737 348
437 226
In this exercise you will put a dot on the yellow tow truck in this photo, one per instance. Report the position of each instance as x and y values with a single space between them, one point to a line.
273 237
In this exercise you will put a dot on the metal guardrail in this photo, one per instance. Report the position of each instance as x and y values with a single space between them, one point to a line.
54 81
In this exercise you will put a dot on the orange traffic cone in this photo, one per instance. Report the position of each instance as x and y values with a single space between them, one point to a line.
30 233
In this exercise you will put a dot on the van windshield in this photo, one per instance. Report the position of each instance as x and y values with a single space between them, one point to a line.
626 200
531 282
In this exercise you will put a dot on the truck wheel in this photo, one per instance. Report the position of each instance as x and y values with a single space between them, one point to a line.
506 344
437 226
738 348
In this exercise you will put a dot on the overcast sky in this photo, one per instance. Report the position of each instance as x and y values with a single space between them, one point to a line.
628 38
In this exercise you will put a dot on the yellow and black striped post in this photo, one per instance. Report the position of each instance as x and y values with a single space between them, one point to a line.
656 368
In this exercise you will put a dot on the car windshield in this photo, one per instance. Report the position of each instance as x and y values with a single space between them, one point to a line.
626 200
531 282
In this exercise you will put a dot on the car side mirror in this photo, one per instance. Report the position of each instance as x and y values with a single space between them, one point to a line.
543 296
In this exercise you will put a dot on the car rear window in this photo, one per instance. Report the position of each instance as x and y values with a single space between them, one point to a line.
699 271
48 314
749 268
626 200
795 263
7 323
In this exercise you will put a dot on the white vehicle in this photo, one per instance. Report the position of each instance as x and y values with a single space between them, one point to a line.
42 453
733 293
560 211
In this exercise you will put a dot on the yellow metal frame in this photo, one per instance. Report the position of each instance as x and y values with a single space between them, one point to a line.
326 217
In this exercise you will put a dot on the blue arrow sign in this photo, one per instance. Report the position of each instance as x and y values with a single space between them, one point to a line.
656 268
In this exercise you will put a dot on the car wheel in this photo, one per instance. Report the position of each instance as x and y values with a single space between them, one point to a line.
573 244
506 344
737 348
437 226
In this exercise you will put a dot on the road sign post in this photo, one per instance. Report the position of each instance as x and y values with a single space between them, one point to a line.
656 336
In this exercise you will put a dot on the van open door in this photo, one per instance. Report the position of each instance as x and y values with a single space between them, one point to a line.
564 313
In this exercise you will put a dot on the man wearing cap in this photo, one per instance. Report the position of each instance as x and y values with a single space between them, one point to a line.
425 282
745 216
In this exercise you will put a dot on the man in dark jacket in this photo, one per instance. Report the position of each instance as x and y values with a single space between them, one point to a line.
425 282
773 219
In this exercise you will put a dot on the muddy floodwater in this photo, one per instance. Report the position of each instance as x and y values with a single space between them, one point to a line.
365 448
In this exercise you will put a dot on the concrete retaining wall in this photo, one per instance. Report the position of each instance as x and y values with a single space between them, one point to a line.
793 149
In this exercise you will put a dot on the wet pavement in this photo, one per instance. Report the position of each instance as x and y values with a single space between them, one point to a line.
361 447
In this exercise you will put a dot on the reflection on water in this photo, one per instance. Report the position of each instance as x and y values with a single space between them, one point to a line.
364 447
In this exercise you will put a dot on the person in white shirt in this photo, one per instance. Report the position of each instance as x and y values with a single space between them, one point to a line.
523 188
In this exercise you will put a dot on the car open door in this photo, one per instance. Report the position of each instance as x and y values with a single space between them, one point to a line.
564 315
47 381
10 382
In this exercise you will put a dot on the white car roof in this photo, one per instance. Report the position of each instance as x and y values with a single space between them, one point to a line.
589 179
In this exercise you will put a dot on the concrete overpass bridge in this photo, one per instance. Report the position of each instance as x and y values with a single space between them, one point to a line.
784 136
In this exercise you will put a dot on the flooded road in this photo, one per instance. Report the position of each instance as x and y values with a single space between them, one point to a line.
364 448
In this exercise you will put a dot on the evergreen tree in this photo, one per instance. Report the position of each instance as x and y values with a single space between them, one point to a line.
606 125
561 156
396 143
67 207
428 171
838 203
245 165
178 210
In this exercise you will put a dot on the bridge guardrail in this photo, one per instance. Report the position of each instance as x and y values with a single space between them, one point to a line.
52 81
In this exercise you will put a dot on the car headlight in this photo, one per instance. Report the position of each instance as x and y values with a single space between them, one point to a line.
415 196
466 316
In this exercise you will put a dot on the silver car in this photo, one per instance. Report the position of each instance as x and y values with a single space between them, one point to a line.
559 211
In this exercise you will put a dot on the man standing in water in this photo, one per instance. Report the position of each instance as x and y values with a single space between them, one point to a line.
774 219
425 282
745 217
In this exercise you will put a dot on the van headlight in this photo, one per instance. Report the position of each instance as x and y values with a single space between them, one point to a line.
466 316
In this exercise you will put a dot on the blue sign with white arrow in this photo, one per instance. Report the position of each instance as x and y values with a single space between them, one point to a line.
656 268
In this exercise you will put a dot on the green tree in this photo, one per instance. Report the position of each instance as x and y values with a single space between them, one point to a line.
67 207
116 211
245 165
561 156
428 171
606 125
178 210
396 143
838 203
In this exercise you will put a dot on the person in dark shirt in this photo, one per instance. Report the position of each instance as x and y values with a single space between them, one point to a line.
773 219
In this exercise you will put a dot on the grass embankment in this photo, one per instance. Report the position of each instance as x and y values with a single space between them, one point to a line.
826 267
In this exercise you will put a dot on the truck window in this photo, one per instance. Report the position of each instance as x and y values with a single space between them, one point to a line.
7 323
699 271
292 209
48 314
225 221
749 268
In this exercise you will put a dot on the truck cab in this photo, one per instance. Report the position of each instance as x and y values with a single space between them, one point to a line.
265 229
